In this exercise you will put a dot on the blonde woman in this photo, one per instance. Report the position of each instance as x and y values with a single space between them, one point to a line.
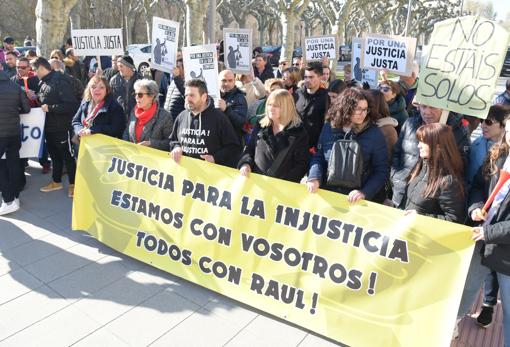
278 146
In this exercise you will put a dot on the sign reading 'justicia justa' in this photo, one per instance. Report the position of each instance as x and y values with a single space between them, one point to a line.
391 53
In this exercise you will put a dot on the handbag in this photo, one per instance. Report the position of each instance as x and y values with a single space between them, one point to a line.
345 166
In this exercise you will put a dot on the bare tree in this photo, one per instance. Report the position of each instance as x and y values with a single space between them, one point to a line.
265 18
52 17
239 9
225 14
288 11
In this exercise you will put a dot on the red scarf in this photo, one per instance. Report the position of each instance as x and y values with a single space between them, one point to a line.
142 118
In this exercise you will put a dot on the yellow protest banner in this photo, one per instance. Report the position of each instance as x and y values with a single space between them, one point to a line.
361 274
461 66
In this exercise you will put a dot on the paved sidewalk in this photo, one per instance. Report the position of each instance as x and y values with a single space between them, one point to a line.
62 288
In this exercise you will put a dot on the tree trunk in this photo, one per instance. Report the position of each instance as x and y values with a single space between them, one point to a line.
51 24
288 21
75 17
195 13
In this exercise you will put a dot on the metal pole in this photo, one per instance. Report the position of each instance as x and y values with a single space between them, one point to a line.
461 7
408 20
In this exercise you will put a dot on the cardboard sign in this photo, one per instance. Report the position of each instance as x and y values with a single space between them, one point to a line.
165 36
461 65
390 53
97 42
202 62
361 75
237 45
318 47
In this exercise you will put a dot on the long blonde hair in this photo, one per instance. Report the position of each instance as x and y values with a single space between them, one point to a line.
288 114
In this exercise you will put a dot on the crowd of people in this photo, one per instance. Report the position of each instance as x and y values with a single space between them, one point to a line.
298 123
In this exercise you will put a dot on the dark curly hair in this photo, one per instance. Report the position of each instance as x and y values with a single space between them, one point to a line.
342 108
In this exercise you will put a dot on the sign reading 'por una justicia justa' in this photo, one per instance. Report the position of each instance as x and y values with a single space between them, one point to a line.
97 42
319 47
390 53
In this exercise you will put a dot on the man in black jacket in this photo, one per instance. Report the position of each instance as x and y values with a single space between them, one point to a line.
123 84
13 101
59 103
232 102
262 68
311 101
202 131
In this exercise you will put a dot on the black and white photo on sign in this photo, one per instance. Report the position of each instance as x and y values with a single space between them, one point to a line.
165 38
317 48
202 62
237 48
97 42
360 74
388 52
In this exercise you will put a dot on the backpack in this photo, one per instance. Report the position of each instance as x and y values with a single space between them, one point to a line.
345 166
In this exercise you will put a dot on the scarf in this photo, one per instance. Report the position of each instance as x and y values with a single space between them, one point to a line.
92 114
142 118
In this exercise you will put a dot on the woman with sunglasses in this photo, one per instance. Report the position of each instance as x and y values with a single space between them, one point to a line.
396 102
99 112
149 124
350 117
436 186
493 129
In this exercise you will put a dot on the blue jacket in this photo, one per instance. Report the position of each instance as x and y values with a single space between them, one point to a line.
376 169
503 98
109 120
477 153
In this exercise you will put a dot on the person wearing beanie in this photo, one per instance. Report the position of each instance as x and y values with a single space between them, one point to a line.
122 84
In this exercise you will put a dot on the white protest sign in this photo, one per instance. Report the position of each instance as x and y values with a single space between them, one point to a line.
97 41
237 45
361 75
319 47
461 66
388 52
32 130
202 62
165 36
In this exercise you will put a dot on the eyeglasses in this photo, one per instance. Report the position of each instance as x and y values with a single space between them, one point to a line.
488 121
22 67
359 110
384 89
283 63
140 95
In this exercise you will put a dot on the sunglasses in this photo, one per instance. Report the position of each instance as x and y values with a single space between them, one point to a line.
140 95
384 89
489 122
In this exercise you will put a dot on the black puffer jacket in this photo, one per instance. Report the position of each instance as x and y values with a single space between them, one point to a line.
312 109
13 101
237 109
56 91
174 102
496 252
264 147
157 130
406 153
447 204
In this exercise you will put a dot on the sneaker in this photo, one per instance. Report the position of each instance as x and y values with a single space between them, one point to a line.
51 187
70 191
484 319
46 168
6 208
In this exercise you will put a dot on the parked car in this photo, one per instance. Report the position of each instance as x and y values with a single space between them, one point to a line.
24 49
273 53
344 53
141 54
505 70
